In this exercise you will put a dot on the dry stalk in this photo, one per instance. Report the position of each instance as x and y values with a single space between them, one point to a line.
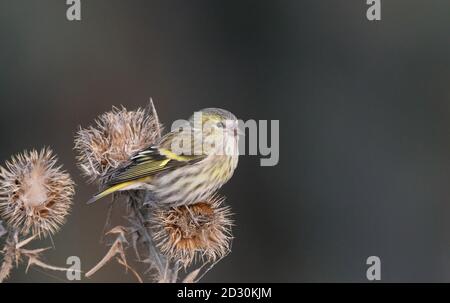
116 251
140 238
142 234
14 252
9 258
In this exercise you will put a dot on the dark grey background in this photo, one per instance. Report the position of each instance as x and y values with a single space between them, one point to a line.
363 109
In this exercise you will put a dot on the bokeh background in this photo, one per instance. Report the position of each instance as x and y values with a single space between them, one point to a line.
364 122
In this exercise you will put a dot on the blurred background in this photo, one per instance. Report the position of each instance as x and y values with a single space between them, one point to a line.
363 107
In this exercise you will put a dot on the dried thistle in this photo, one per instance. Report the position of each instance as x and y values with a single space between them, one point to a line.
163 238
117 135
35 193
198 231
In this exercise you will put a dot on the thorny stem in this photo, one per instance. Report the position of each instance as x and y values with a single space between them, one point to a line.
14 251
9 257
165 272
117 251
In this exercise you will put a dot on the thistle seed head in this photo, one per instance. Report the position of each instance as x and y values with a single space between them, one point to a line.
35 193
191 232
117 136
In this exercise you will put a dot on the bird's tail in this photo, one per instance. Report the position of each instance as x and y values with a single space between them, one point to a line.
109 191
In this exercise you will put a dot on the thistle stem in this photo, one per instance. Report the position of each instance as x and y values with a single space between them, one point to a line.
165 272
9 255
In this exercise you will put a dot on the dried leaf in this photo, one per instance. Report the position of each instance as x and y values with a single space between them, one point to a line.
134 242
108 217
210 266
116 249
120 231
32 260
190 278
120 261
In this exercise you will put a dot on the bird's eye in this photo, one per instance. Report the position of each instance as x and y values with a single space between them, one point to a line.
220 124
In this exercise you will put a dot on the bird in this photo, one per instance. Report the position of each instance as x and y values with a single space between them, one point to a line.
187 165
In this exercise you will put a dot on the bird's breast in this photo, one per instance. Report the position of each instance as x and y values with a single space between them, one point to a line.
191 184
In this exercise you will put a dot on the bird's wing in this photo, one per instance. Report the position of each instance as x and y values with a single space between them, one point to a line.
151 161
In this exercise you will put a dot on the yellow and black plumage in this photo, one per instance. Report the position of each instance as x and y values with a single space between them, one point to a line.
176 178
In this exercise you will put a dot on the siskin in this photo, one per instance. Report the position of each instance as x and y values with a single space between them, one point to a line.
186 165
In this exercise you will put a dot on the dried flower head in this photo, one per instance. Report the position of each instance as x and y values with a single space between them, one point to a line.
201 230
35 194
118 135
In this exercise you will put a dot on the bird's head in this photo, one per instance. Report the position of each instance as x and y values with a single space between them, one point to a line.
219 128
